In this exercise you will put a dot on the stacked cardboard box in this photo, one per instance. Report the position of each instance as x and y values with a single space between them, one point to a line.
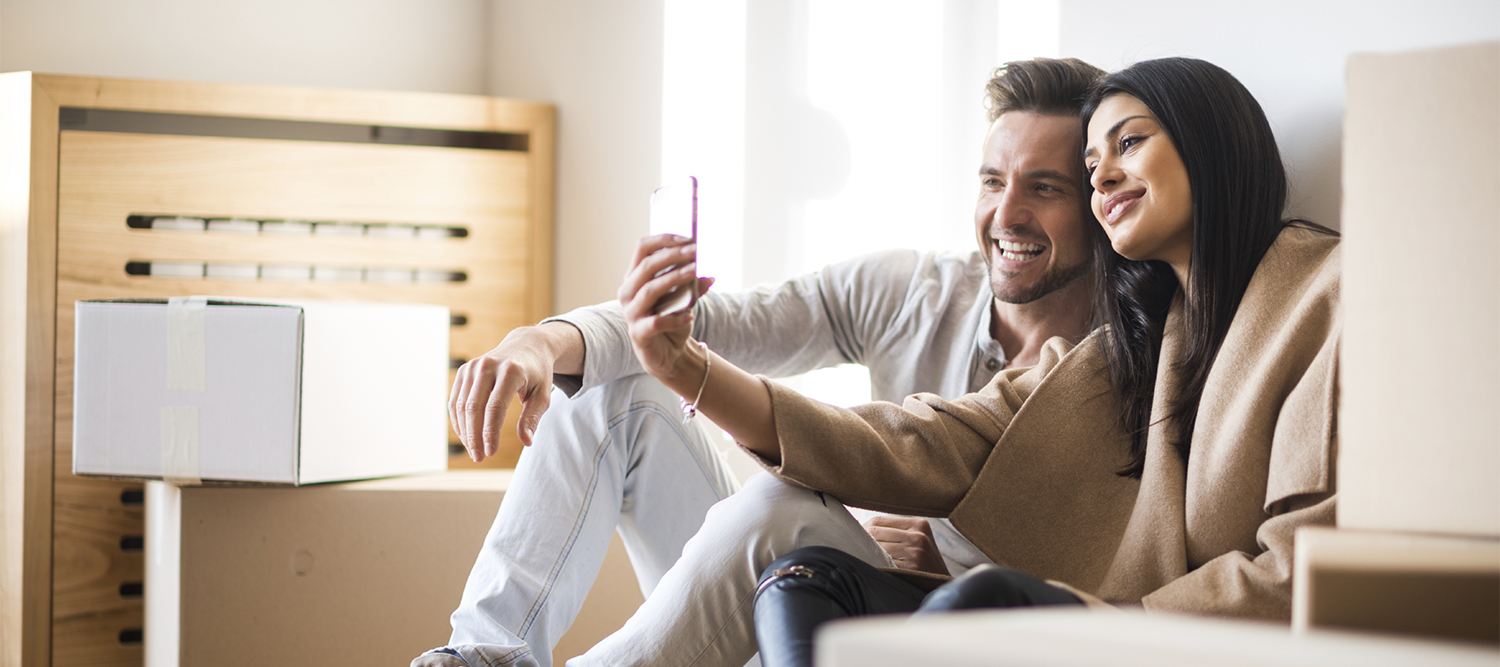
362 573
275 399
1417 549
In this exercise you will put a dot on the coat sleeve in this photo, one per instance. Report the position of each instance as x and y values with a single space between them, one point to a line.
918 458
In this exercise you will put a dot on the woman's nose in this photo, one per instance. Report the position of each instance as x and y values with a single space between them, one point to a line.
1105 176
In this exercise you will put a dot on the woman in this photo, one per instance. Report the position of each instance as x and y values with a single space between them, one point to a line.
1166 461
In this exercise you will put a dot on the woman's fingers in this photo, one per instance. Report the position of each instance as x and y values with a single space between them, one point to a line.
661 257
649 245
642 303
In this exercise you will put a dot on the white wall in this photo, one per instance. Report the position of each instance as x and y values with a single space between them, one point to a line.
811 156
600 63
1289 53
420 45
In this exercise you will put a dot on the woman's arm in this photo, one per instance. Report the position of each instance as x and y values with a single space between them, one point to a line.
733 399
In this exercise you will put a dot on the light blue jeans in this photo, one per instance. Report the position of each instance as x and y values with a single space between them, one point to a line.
619 457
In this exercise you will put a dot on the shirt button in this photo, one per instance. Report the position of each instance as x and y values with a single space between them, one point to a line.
992 364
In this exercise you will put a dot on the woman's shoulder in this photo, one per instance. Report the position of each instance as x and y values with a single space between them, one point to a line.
1305 248
1302 264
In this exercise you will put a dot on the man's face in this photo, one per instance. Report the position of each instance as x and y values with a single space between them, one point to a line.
1030 216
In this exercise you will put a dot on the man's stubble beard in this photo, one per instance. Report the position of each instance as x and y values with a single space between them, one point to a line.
1054 279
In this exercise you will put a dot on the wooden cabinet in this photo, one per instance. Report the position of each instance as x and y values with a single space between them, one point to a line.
120 189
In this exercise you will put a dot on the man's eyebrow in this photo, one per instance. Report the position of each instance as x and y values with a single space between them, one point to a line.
1049 175
1035 174
1113 131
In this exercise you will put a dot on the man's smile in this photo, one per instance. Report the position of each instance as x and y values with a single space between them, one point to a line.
1018 251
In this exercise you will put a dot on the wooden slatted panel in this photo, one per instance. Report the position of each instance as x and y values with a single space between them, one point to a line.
104 178
28 254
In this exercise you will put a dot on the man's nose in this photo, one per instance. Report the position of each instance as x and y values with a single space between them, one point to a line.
1012 211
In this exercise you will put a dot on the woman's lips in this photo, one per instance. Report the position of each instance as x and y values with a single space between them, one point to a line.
1117 205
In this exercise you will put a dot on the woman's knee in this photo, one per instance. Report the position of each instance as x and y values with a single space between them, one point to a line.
841 583
992 586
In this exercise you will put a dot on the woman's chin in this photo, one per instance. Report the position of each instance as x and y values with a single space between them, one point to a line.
1126 249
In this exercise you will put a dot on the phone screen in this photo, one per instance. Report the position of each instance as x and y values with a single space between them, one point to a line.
674 210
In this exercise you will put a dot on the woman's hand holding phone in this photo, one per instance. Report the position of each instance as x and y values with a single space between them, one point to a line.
662 264
734 399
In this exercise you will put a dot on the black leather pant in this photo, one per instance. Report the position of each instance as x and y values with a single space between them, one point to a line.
808 587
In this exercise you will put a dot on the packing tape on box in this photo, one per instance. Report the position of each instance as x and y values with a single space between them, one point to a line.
187 368
179 445
187 354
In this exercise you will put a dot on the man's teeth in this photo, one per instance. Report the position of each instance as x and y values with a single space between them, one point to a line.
1019 251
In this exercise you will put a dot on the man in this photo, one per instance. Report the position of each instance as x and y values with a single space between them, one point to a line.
615 453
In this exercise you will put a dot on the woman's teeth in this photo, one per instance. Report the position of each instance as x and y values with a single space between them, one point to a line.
1019 252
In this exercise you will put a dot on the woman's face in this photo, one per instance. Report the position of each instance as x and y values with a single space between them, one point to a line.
1141 190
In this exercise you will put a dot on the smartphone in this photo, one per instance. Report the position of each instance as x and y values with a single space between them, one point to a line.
674 210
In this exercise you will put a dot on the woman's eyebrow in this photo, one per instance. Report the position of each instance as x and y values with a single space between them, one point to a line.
1114 130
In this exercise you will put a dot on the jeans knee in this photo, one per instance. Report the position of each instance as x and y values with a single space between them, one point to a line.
768 509
612 398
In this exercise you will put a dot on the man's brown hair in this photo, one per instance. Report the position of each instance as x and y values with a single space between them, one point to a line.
1042 85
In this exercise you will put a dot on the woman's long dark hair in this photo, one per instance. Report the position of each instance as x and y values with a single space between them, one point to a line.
1238 189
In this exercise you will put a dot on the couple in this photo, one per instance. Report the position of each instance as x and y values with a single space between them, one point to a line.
1163 460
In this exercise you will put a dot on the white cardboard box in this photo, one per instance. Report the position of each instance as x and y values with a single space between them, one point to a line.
285 392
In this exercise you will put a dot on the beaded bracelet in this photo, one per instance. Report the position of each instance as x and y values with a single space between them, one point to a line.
690 410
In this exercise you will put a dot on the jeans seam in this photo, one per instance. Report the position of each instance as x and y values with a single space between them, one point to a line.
683 438
748 598
510 658
557 566
697 455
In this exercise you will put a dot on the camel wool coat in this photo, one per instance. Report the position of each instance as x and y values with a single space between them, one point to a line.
1026 468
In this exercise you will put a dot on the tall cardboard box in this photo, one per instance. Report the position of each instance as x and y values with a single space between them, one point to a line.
1417 549
291 392
361 573
1420 367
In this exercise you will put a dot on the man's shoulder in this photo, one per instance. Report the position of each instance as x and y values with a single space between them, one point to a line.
908 265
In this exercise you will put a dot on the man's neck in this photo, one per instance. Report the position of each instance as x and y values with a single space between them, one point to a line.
1022 328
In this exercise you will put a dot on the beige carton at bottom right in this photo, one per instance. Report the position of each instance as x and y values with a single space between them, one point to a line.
1417 549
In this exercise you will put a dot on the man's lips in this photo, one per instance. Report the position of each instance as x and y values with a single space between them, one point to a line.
1018 251
1116 205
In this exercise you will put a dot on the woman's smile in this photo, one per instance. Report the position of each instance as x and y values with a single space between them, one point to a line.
1117 204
